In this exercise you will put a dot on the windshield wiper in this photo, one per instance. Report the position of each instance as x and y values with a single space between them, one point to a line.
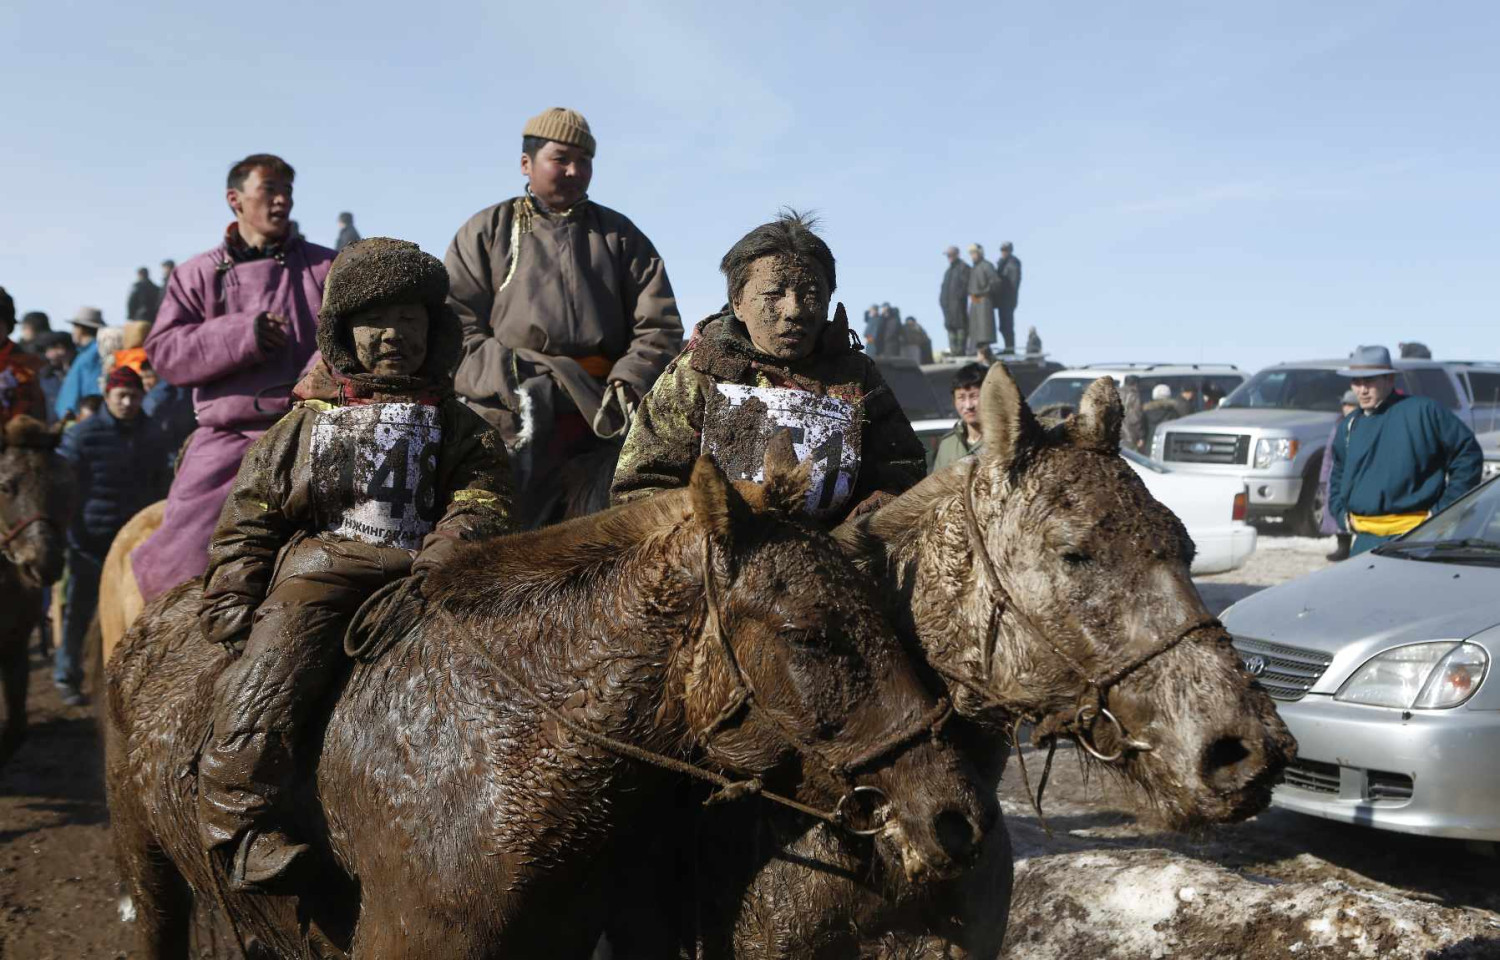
1474 545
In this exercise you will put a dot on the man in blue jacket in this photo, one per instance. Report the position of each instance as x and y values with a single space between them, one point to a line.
1397 460
88 367
119 467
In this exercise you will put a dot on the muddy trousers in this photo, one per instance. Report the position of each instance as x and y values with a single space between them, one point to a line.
265 698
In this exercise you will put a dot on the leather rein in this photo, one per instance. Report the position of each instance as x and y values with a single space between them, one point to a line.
744 701
20 528
1091 706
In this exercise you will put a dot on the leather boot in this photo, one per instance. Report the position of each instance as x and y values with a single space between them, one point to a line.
1342 552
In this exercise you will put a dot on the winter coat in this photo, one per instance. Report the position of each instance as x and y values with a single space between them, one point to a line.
20 384
982 283
144 298
890 336
583 298
954 447
119 467
953 297
82 380
1410 455
1133 424
171 411
917 344
204 335
1330 523
281 495
668 434
1008 290
1156 413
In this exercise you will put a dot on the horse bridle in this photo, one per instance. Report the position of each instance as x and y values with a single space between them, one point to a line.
1091 705
744 700
17 529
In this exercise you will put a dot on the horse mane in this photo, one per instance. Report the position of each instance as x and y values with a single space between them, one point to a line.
553 568
24 431
887 530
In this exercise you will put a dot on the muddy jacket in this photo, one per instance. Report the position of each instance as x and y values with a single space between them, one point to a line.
725 398
583 296
420 475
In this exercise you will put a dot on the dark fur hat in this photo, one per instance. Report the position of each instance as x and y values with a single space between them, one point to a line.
376 271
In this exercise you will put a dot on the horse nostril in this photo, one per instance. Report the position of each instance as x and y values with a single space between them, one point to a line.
955 835
1223 760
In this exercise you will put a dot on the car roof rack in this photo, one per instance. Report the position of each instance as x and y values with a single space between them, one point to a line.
1152 365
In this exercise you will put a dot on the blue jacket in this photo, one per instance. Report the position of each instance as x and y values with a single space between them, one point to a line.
119 468
82 380
171 411
1408 456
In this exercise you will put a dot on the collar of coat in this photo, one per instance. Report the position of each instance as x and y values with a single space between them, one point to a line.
241 252
720 347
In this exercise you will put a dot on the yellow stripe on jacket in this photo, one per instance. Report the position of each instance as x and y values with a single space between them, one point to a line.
1387 524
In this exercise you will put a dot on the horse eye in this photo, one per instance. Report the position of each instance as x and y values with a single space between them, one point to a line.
1075 558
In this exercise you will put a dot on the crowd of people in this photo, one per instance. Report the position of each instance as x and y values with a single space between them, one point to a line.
972 296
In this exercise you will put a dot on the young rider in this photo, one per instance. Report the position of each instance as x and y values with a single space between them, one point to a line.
773 360
375 474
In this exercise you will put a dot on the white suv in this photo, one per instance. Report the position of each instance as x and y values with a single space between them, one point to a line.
1060 393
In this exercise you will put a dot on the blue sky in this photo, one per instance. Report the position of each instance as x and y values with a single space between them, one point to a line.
1183 181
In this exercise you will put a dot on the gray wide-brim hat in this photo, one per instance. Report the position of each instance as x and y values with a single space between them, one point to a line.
91 317
1368 362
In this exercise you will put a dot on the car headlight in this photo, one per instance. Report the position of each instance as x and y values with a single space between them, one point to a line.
1268 450
1491 467
1422 676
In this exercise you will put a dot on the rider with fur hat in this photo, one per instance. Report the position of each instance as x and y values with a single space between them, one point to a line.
376 472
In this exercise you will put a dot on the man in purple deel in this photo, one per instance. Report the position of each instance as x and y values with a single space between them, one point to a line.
238 324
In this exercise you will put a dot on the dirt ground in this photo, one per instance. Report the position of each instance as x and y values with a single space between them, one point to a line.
1105 884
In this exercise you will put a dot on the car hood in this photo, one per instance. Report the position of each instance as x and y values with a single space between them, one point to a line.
1266 417
1367 604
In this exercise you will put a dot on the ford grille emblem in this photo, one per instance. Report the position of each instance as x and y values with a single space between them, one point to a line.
1255 666
1198 446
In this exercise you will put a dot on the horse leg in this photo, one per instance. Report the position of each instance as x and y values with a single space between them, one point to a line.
161 899
14 679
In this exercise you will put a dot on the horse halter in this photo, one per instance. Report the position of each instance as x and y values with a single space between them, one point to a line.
746 699
18 529
1091 705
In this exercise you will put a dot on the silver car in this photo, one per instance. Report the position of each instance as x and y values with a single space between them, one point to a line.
1379 665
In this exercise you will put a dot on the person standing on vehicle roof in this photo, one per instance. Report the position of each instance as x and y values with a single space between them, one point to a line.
567 313
982 287
238 324
1007 293
1398 459
953 297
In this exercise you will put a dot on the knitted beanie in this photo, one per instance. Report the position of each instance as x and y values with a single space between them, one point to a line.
564 126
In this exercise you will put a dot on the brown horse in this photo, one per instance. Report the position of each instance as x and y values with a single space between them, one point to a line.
35 496
1043 583
473 814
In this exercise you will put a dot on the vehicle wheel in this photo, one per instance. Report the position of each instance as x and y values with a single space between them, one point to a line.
1306 518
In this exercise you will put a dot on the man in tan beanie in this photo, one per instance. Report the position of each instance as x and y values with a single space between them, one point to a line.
567 312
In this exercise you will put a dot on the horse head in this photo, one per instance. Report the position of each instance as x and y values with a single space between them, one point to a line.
795 669
1048 585
35 496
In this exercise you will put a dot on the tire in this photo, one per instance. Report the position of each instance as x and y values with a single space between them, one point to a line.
1306 518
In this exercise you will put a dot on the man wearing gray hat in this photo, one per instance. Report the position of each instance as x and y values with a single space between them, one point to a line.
88 367
1397 460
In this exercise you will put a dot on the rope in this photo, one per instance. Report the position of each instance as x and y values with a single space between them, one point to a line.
20 528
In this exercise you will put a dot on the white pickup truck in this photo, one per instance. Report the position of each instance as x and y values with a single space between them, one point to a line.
1272 430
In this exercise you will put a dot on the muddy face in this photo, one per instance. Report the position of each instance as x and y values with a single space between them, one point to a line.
784 306
33 484
836 701
390 340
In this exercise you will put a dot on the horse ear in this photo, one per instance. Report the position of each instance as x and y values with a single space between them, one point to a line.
711 494
787 481
1100 415
1009 426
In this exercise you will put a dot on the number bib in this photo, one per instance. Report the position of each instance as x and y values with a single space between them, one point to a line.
741 420
373 470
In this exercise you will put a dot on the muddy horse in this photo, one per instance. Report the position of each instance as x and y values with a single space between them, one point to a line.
486 781
1045 586
35 488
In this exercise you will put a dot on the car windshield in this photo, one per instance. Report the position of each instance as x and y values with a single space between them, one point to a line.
1291 389
1060 390
1472 523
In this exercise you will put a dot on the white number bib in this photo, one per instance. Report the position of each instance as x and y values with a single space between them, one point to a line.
741 420
374 468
